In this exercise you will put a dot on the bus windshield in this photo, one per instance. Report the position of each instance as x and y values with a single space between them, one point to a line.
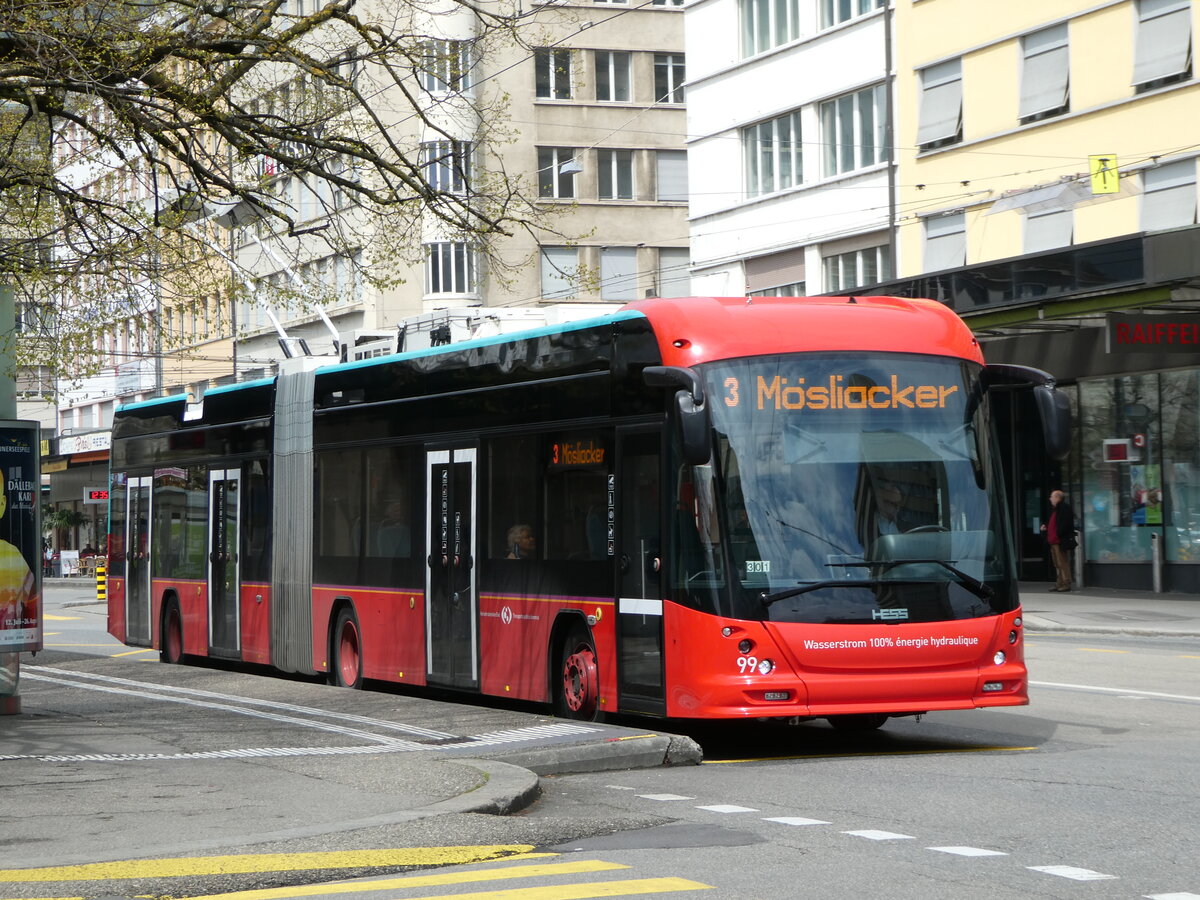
852 489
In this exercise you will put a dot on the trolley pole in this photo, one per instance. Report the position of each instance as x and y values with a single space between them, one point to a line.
10 663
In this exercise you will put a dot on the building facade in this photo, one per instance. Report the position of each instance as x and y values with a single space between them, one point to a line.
789 148
1047 192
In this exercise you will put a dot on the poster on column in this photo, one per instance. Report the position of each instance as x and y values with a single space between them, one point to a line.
20 537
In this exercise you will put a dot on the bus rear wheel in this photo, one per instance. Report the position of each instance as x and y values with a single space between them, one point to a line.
577 689
170 647
345 668
858 722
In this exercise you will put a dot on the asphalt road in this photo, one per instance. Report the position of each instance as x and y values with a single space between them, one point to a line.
1091 791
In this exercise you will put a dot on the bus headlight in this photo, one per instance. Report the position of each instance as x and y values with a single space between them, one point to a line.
999 658
766 666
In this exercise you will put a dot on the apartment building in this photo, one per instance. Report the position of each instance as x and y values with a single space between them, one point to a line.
1047 192
789 148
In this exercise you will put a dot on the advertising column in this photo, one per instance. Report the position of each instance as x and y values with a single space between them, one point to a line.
20 534
20 545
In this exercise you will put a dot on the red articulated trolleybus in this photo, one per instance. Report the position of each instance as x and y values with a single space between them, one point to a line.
699 508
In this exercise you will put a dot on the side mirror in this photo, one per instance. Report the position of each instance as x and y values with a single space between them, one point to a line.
695 427
1054 408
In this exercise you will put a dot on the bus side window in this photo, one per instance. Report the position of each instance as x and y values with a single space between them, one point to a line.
513 490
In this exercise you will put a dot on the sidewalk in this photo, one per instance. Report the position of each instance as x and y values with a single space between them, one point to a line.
1107 611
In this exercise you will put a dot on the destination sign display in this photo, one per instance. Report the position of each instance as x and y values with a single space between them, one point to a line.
577 453
834 392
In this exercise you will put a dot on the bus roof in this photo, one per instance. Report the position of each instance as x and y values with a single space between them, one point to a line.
693 330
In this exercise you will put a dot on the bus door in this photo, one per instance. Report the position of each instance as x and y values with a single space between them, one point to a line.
137 561
451 598
638 519
224 563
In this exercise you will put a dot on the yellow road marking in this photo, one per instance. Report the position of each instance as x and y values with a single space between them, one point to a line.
50 617
402 882
134 652
265 862
720 762
1189 657
1100 650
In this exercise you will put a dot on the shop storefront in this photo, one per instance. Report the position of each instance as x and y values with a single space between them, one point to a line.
78 476
1118 324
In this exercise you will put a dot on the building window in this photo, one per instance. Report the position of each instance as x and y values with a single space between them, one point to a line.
1049 230
612 75
795 289
560 271
553 73
668 77
857 268
552 180
852 129
1169 196
941 105
666 2
945 242
1122 502
768 23
778 274
447 165
450 269
834 12
1163 52
674 279
615 174
618 273
672 174
772 151
446 66
1045 74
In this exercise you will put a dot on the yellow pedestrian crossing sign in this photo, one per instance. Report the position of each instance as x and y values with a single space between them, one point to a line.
1105 178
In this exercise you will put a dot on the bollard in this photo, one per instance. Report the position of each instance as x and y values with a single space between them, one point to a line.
102 583
1156 560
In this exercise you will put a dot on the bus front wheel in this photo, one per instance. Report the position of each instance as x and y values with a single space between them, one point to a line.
170 647
345 669
577 688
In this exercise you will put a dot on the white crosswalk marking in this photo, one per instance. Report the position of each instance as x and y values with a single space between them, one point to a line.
665 797
1072 872
967 851
796 820
724 808
871 835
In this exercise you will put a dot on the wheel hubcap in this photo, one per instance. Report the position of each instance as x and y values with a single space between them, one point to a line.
348 653
580 683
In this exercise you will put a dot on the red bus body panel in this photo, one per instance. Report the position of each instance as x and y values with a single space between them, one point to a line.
256 622
391 626
694 330
514 640
829 670
116 608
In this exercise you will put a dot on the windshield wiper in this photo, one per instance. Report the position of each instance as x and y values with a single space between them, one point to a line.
978 588
769 598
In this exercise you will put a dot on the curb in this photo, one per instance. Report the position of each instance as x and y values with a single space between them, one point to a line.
507 789
636 752
1054 628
